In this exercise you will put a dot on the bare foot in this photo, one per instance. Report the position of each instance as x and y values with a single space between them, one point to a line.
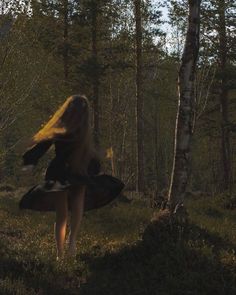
60 255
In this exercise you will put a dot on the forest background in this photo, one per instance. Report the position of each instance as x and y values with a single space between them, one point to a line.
52 49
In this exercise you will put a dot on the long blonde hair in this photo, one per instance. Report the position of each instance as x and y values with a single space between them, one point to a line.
70 123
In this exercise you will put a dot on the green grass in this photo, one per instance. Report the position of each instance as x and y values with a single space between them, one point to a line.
113 259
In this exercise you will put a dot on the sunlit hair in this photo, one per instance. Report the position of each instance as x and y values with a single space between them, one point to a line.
70 124
65 121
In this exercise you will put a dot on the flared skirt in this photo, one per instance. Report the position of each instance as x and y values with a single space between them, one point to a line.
100 190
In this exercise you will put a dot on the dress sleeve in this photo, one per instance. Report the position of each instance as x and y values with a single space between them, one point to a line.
33 154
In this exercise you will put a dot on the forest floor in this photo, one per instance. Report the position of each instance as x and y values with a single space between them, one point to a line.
112 258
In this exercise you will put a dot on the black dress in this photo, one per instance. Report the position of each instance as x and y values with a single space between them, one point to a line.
100 189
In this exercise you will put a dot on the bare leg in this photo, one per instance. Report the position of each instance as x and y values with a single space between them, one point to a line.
77 209
61 221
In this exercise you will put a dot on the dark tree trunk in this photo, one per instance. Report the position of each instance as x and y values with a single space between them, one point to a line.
185 113
156 130
96 72
225 132
65 39
139 97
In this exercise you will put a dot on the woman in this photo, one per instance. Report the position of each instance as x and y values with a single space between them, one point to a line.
72 180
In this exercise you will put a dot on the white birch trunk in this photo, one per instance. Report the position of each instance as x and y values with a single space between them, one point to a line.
185 113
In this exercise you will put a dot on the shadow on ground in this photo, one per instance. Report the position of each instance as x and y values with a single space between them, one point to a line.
159 266
165 266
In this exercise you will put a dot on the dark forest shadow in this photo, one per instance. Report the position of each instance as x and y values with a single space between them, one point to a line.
189 266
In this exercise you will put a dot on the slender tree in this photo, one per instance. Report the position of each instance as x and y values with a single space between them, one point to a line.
65 39
225 132
139 96
96 81
184 120
218 44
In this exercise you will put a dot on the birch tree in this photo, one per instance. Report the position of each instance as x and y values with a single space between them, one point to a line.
185 112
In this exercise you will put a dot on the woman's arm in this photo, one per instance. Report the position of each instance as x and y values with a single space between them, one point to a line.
33 154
